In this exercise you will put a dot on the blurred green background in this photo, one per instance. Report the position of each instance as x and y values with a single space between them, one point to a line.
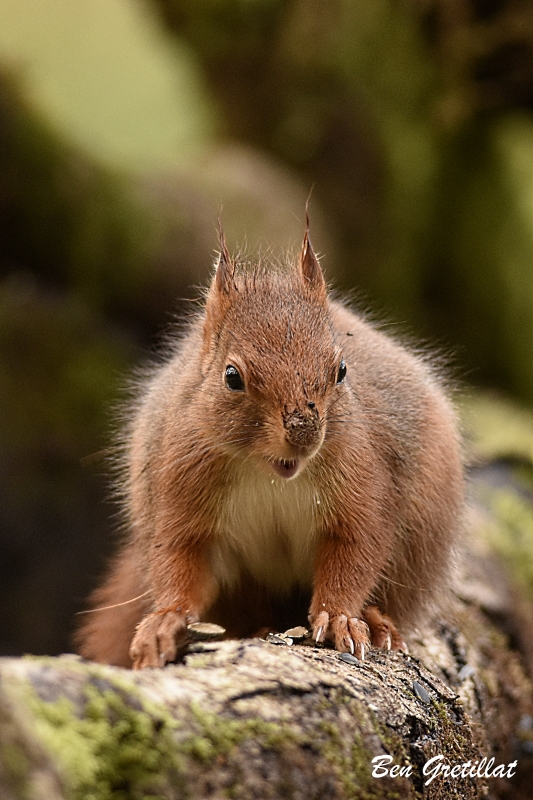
126 125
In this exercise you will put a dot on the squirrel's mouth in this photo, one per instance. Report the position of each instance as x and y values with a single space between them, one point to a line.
285 467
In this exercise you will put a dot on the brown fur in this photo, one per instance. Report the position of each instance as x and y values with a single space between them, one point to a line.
364 531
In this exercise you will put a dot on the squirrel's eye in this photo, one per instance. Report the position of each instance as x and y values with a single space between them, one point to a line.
234 382
341 374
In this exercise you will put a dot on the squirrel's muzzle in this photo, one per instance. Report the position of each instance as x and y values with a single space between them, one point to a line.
302 429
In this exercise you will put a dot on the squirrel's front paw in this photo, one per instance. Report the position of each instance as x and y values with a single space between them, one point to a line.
349 634
157 638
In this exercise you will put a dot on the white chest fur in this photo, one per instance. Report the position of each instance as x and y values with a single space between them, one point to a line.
268 528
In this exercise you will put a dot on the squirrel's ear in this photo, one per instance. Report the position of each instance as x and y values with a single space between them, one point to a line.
309 265
219 295
225 265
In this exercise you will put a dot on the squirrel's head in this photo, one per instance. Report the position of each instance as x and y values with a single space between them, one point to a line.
271 367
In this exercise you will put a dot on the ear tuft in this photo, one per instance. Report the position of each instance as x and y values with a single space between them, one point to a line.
309 265
225 266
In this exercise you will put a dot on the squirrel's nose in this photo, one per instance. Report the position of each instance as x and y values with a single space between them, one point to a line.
302 429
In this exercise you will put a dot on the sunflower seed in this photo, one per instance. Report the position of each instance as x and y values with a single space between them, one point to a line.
421 693
348 658
204 630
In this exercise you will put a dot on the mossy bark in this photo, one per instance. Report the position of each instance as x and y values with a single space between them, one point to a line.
251 719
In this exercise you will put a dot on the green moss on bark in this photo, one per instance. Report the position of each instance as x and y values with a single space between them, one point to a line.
120 749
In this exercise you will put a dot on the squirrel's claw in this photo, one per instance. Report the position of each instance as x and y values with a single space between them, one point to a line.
320 626
358 635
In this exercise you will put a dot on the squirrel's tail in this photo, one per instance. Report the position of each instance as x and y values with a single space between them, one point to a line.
105 635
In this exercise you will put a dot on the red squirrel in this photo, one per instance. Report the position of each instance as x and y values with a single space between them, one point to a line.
288 457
